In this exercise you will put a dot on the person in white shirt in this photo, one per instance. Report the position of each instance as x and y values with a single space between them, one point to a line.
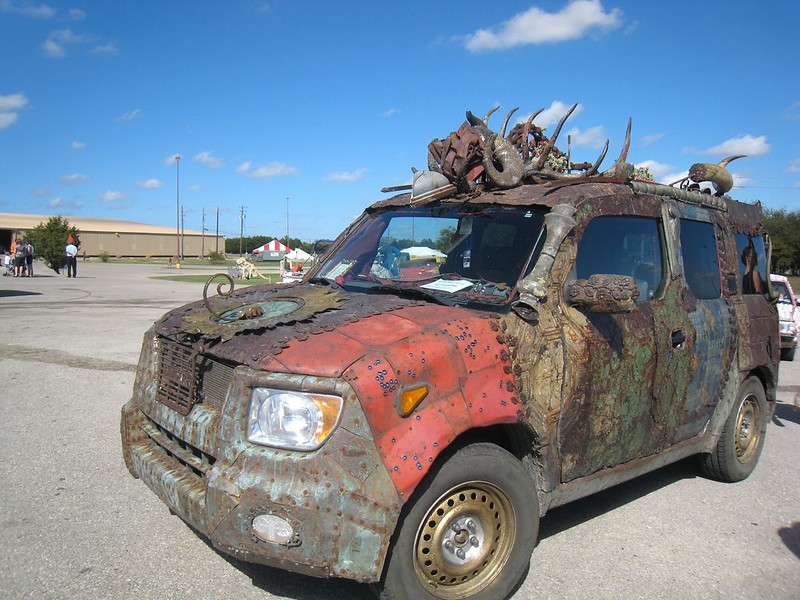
72 261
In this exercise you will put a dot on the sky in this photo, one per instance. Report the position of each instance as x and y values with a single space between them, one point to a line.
293 114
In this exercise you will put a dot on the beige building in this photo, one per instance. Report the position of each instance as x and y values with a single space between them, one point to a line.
118 238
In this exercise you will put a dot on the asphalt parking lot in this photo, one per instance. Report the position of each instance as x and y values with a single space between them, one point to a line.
74 523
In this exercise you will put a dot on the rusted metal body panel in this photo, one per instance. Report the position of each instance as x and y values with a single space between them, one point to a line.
597 396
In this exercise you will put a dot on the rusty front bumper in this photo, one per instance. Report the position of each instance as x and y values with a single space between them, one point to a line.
339 501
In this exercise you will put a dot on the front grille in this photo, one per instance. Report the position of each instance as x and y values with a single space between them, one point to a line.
177 378
213 378
186 378
191 457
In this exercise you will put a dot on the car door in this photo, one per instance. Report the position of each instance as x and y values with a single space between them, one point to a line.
710 312
632 369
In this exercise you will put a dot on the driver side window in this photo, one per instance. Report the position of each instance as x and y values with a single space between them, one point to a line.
618 245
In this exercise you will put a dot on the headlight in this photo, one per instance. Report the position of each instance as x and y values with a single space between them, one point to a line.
292 420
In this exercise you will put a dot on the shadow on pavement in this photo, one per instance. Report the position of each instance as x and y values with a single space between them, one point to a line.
12 293
790 536
565 517
785 412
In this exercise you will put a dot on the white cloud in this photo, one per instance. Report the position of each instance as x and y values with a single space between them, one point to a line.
792 113
10 106
74 178
172 159
273 169
8 119
130 116
76 145
244 167
53 50
390 112
13 102
744 144
670 178
535 26
657 169
63 203
76 14
553 114
347 176
594 137
109 48
794 166
26 9
651 139
112 196
57 41
207 159
149 184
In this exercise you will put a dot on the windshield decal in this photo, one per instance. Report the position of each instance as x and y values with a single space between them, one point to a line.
448 285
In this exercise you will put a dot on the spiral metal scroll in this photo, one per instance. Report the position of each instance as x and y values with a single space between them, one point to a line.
229 282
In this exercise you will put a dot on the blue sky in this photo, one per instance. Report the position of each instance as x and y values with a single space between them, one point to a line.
325 103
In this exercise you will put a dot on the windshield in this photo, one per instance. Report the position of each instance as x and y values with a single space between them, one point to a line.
453 254
781 292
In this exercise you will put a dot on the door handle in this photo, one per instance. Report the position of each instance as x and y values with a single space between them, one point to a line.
678 338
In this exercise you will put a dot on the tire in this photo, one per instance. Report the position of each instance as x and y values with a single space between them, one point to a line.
469 531
788 354
742 439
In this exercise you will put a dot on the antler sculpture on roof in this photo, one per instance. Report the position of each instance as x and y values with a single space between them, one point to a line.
506 162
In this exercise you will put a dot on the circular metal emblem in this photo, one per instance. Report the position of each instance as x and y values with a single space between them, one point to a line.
258 311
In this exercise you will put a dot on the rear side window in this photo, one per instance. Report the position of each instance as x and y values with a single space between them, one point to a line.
700 259
623 246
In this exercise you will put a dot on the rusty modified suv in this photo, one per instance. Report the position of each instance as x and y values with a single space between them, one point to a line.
512 332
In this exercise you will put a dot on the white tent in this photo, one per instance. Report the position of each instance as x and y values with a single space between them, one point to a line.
415 252
298 254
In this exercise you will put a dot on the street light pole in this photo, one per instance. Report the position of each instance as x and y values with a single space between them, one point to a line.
178 209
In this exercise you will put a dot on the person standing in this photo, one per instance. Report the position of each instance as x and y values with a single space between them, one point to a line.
29 257
72 260
19 258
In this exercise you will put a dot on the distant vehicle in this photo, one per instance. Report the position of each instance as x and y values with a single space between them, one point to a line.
403 418
788 313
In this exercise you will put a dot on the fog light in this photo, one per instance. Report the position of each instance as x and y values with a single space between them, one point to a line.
273 529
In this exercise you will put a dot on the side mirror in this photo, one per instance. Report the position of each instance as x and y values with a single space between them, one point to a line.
603 293
321 246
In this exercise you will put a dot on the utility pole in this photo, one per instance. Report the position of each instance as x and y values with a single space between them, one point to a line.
182 231
178 209
203 234
241 229
217 238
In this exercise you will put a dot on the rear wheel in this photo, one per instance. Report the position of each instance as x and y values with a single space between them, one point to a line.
788 354
469 533
742 439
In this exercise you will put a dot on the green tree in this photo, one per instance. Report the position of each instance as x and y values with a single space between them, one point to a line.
49 240
784 229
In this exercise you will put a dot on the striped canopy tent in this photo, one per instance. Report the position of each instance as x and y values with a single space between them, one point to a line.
273 246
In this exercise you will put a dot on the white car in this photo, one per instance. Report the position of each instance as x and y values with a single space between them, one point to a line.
788 313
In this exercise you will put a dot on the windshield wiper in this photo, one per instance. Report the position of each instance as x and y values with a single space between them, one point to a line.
415 292
324 281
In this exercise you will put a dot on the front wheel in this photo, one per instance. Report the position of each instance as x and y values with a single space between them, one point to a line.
469 533
742 439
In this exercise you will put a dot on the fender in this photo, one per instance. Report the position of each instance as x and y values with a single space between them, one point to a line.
466 365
